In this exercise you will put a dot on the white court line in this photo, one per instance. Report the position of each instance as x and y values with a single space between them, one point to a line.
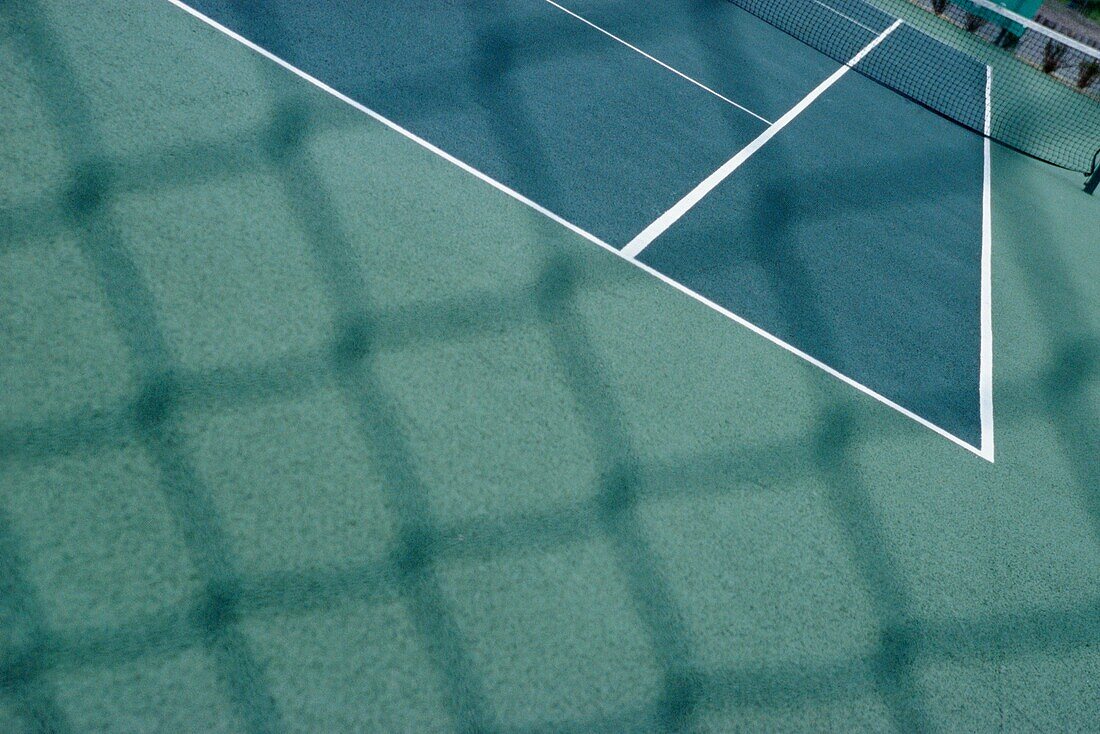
574 228
693 197
985 376
385 121
659 62
848 18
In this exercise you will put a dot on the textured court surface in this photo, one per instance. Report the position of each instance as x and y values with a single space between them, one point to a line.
877 278
304 428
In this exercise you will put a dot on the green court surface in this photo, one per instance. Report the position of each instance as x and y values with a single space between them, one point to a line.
304 427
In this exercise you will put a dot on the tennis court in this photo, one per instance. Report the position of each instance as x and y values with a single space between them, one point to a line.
539 366
624 147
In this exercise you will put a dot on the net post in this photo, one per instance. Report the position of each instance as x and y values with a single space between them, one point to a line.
1093 179
1092 182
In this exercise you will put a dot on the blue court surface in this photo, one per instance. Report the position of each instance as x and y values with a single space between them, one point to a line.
833 216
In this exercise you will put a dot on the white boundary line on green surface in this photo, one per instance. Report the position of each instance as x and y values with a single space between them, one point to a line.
659 62
985 375
574 228
658 226
848 18
385 121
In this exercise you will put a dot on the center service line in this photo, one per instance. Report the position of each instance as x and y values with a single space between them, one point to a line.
680 208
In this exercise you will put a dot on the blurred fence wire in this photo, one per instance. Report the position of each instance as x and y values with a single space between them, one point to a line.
363 332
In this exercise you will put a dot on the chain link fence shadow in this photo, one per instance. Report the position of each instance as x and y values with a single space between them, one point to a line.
225 598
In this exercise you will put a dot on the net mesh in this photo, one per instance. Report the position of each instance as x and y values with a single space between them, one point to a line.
1045 91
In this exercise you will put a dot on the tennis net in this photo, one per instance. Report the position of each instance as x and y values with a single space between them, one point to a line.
1044 93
